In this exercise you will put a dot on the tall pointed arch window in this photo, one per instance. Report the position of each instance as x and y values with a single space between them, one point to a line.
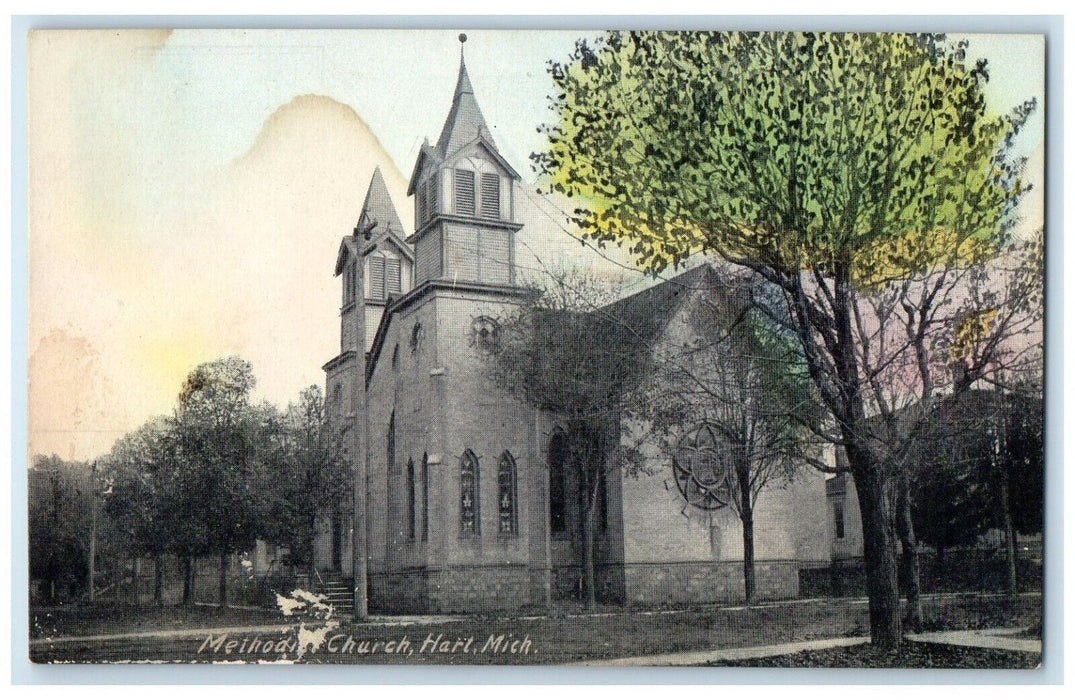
558 456
390 442
412 512
506 496
350 273
469 506
425 497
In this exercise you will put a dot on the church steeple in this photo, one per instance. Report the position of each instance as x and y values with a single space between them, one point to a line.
465 120
377 210
464 198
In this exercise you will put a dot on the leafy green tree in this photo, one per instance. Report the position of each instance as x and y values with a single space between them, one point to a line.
951 505
1001 446
137 472
59 522
308 474
1023 457
215 494
863 176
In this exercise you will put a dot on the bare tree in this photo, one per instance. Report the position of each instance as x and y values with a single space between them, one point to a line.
565 353
729 402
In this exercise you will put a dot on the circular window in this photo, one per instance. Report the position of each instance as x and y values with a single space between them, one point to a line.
701 466
485 333
417 334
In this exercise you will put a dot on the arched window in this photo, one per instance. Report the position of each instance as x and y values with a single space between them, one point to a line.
395 358
425 497
469 507
485 333
417 333
506 496
411 511
337 398
390 443
558 456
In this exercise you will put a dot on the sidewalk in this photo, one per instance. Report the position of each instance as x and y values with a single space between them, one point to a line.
700 658
999 638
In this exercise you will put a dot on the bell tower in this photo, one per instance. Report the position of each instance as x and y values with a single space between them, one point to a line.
464 198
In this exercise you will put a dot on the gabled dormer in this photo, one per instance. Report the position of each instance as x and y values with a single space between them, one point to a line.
464 198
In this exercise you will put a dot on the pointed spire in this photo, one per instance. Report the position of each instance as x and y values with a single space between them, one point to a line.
378 212
462 83
465 120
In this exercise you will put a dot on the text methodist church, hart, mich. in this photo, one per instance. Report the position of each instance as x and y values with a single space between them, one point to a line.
471 504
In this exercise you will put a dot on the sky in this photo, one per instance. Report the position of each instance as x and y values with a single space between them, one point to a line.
188 192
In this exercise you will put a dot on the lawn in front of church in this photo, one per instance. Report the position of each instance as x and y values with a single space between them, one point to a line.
559 638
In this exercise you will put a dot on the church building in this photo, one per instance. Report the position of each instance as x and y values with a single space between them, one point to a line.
470 500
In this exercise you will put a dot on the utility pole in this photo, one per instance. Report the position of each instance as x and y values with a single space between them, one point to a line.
93 532
359 556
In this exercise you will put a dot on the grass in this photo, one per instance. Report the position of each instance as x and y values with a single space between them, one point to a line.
85 619
978 612
907 655
553 639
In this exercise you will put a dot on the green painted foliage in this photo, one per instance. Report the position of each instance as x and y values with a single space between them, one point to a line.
796 150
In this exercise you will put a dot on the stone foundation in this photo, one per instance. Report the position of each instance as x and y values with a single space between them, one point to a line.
464 589
667 583
404 592
507 588
608 578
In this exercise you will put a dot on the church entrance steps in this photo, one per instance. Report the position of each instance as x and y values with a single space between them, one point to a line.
339 593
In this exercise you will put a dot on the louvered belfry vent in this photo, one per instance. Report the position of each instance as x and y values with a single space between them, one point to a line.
376 268
491 195
464 192
392 272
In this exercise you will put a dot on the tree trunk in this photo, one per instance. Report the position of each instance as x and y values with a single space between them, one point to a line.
746 517
222 592
311 560
588 577
879 547
1009 538
158 579
188 581
909 560
337 539
136 572
92 580
749 585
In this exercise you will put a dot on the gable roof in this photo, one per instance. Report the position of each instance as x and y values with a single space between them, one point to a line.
636 322
649 311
